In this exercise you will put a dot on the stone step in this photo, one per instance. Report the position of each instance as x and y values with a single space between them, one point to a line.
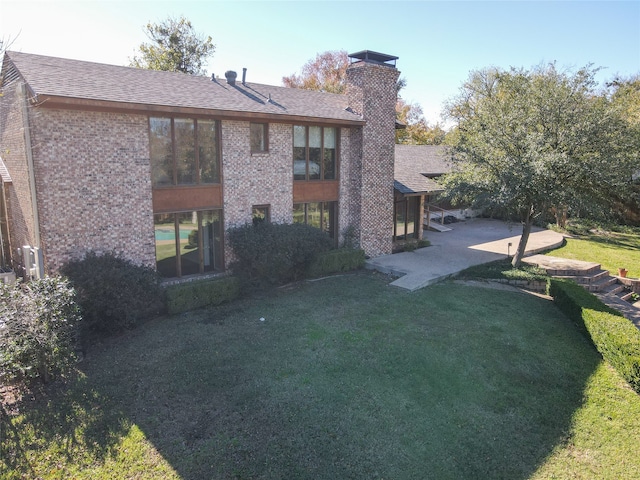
438 227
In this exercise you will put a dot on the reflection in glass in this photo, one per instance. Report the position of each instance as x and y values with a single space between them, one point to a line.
161 154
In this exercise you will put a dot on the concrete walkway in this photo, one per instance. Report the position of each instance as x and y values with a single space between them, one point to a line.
472 242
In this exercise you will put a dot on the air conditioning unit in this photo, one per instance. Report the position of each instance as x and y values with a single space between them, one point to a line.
33 262
7 277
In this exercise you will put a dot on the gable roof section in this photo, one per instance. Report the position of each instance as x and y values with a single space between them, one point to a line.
59 81
415 164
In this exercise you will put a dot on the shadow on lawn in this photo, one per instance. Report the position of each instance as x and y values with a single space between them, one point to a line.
333 407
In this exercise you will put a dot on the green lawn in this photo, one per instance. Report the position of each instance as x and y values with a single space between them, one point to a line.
612 250
346 377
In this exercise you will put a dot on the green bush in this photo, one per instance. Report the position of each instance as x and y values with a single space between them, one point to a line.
38 330
114 294
615 337
333 261
188 296
275 254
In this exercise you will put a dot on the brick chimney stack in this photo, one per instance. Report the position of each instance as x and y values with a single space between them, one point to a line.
371 90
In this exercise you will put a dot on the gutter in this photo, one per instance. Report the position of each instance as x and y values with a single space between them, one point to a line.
30 167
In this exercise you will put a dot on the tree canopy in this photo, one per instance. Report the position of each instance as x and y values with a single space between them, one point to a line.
174 47
417 131
326 72
529 141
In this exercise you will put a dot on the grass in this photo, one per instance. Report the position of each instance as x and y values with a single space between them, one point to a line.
502 270
611 249
345 378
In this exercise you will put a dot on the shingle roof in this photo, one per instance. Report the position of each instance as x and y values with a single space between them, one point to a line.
414 164
75 79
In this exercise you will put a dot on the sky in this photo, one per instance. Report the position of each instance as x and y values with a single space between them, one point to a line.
438 43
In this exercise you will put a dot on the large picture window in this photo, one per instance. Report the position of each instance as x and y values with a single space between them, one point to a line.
321 215
188 243
314 153
183 151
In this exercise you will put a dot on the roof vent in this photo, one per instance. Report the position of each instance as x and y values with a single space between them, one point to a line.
230 75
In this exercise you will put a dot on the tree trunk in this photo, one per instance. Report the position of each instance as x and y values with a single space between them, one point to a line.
522 245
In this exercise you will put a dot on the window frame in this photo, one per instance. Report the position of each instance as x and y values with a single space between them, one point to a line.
336 161
174 174
329 207
267 213
218 256
265 136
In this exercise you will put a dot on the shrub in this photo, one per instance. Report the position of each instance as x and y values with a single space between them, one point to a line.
201 293
113 293
615 337
274 254
333 261
38 329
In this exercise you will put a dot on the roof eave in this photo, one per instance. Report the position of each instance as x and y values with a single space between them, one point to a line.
54 101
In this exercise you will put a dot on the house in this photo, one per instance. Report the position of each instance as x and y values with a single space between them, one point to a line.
156 166
416 170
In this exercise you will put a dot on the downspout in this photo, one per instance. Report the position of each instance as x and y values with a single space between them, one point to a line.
32 173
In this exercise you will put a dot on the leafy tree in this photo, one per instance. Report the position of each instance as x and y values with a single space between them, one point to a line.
326 72
417 131
529 141
174 47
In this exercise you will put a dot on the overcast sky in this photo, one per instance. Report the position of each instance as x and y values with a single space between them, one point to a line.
438 43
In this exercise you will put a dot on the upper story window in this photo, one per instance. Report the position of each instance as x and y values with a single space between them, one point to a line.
259 135
183 151
314 153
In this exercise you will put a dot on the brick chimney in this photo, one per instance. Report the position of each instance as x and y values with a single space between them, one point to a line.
371 91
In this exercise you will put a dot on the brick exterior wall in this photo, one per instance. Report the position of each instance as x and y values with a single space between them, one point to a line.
256 179
93 175
94 185
371 90
13 152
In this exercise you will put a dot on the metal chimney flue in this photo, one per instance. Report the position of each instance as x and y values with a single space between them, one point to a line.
244 76
231 76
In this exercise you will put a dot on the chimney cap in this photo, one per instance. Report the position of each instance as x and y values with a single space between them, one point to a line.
369 56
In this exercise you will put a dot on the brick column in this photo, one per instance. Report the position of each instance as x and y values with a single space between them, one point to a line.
371 91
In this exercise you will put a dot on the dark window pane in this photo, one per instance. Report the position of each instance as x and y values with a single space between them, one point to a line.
314 217
299 152
208 152
258 134
189 242
185 151
328 218
329 154
298 213
411 216
165 232
260 213
315 152
210 228
161 154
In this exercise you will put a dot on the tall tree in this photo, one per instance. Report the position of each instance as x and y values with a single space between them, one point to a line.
326 72
529 141
417 131
174 47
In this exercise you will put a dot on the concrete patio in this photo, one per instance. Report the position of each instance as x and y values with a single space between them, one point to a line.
472 242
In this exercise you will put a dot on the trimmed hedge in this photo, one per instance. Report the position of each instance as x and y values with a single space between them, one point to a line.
184 297
615 337
269 254
113 293
334 261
